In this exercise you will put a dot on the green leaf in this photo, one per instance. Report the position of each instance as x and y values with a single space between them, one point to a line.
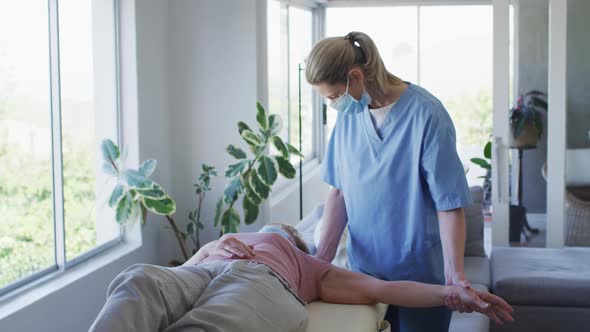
487 150
236 169
136 179
154 192
293 150
109 169
481 162
250 193
147 167
250 210
258 186
135 210
116 195
251 138
230 221
274 124
206 168
162 207
261 116
285 167
123 209
242 126
218 208
280 145
110 151
236 152
232 190
267 170
190 228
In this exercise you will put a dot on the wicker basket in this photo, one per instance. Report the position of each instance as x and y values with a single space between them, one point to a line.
577 216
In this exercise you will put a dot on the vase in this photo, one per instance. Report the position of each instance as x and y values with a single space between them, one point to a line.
529 136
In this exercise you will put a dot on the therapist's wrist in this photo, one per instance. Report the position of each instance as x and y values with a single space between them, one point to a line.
456 278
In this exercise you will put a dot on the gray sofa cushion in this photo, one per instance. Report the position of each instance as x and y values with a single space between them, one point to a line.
546 319
477 270
474 223
540 276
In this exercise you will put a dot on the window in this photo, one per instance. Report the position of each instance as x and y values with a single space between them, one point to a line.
433 48
58 100
290 39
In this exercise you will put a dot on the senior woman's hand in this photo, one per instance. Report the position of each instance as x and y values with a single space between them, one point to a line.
231 247
488 304
227 247
458 279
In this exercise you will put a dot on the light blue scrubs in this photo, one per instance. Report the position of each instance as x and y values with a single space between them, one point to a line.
394 181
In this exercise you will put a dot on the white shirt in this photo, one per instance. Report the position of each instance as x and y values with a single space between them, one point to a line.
378 114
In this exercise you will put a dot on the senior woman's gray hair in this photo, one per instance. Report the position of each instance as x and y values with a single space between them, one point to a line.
295 234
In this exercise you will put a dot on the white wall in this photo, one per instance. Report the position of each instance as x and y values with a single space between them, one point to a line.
213 75
285 204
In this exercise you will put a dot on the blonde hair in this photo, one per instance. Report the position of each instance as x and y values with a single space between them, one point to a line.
331 58
295 233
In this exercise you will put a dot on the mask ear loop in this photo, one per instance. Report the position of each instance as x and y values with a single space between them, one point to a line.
347 82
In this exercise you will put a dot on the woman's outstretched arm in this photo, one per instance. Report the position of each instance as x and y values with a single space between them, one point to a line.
343 286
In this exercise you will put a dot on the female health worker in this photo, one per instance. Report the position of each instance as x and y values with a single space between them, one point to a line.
395 176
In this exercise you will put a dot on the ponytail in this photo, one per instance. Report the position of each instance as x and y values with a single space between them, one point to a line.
331 58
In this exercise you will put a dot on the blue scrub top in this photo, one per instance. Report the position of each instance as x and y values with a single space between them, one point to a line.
394 181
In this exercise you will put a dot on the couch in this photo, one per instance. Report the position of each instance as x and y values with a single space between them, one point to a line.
549 288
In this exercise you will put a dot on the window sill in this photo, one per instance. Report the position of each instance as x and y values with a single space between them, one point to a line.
49 284
284 187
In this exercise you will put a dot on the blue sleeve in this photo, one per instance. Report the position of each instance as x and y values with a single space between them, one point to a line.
440 164
330 171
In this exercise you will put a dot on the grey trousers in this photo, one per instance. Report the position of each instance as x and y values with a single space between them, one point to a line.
214 296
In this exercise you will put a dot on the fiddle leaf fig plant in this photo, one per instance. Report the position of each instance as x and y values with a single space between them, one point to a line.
252 175
135 193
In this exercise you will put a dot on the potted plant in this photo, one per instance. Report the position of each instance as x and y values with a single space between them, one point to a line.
251 177
526 119
135 193
486 163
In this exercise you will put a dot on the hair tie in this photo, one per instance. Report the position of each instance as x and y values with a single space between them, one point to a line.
349 38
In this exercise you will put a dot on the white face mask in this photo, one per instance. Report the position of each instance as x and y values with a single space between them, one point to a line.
348 105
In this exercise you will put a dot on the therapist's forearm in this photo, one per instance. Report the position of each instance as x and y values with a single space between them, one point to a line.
334 222
452 234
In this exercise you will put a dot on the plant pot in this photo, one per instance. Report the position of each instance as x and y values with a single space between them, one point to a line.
528 137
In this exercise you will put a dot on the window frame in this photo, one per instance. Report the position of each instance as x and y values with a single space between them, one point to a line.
318 119
61 264
318 9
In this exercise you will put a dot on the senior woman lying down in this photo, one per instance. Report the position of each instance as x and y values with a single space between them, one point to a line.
259 282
